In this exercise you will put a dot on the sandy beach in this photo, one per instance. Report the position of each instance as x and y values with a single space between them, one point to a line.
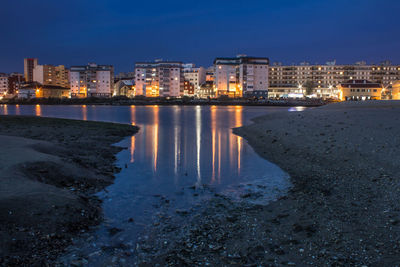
49 169
343 210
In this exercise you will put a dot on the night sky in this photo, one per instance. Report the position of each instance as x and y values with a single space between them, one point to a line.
120 33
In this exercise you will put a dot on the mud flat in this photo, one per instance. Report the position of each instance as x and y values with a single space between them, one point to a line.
343 209
49 170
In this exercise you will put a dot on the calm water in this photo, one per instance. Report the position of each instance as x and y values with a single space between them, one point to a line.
176 148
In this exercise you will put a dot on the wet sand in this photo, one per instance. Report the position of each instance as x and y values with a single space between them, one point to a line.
49 170
343 209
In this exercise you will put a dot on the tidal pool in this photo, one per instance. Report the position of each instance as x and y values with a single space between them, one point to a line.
180 157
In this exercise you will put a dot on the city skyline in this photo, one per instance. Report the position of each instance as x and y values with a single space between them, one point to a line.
123 33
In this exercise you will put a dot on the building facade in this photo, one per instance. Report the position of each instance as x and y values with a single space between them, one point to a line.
3 84
51 75
124 88
37 90
289 81
396 90
207 90
193 77
92 80
241 76
360 90
159 78
29 65
15 80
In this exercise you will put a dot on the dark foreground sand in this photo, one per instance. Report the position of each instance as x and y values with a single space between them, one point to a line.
344 208
49 169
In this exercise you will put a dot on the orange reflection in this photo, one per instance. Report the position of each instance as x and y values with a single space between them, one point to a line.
133 115
38 110
133 118
155 136
84 113
5 109
17 111
238 123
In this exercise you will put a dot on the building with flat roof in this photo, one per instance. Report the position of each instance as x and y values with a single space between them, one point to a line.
360 90
29 65
159 78
241 76
91 80
51 75
286 81
193 77
3 84
396 90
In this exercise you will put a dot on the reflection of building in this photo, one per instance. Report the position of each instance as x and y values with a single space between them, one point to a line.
91 80
124 88
289 80
194 76
241 76
29 65
37 90
159 78
51 75
360 90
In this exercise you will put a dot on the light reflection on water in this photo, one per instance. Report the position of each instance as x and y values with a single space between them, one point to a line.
177 147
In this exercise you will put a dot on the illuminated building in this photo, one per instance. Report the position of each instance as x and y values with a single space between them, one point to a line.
396 90
14 82
289 81
91 80
210 75
207 90
51 75
29 65
37 90
188 89
124 88
159 78
194 76
3 84
241 76
360 90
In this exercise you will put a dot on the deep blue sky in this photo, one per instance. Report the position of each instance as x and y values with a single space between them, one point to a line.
120 33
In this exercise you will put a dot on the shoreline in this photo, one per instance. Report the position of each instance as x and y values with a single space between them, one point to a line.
168 102
342 210
50 170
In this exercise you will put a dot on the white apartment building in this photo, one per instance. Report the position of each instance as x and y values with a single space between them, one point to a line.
3 84
159 78
241 76
91 80
195 76
289 81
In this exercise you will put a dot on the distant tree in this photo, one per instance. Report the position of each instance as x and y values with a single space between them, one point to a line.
309 88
